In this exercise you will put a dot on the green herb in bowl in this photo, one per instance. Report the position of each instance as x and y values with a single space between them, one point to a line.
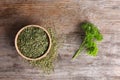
33 42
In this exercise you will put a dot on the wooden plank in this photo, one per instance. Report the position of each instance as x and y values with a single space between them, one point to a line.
65 16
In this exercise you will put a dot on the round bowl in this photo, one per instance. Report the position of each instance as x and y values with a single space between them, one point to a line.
44 54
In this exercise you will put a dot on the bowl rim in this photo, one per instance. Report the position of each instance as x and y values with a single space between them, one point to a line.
44 54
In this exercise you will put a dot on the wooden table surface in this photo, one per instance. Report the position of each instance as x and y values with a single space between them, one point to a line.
64 15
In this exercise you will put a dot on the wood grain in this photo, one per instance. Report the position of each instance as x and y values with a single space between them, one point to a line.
65 16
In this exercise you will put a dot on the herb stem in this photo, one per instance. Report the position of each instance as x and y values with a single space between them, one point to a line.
79 50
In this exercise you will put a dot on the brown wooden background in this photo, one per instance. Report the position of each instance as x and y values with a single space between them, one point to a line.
64 15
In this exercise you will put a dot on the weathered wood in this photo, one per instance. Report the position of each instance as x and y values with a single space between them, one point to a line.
65 16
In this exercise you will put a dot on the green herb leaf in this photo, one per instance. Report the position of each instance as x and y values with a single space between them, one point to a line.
92 35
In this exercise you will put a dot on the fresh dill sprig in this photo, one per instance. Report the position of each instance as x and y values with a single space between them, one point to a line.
92 35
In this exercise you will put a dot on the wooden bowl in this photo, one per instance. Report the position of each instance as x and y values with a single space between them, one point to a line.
27 58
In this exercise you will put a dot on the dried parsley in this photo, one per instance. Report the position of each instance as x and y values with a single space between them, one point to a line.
33 42
47 63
